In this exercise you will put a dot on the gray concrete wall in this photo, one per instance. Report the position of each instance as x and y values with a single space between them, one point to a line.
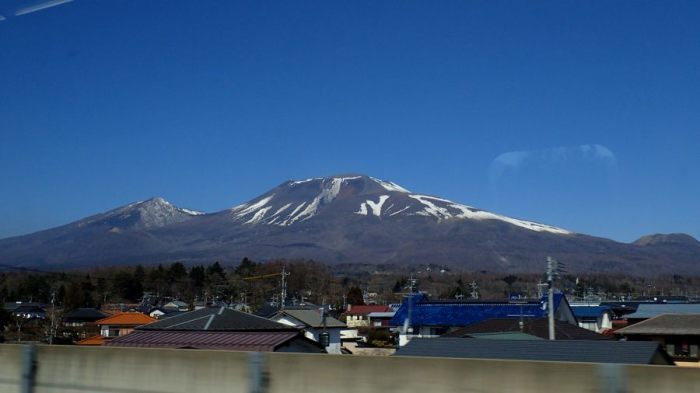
67 369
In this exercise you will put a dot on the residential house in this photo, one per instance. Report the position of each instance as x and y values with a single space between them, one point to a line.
312 324
598 351
26 310
380 319
219 328
535 327
423 318
117 325
358 316
678 333
594 318
81 317
176 305
162 313
81 323
122 323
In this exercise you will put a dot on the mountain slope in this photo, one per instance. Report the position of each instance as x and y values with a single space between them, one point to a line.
339 219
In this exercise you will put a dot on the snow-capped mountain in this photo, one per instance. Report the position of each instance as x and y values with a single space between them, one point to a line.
337 219
152 213
294 202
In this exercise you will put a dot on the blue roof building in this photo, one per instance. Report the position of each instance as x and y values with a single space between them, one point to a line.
594 318
434 318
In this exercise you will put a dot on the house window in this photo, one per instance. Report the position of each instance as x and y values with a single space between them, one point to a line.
113 333
693 350
438 331
671 349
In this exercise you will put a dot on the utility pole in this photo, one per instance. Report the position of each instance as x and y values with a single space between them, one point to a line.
407 322
324 337
552 272
283 293
53 317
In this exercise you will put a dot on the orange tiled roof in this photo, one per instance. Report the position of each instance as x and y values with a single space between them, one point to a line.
94 340
130 318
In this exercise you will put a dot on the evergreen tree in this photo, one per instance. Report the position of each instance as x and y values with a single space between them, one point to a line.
354 297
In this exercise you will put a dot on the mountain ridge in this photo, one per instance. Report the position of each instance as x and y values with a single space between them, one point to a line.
337 219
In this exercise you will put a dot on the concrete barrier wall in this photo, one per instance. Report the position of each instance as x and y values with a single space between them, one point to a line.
68 369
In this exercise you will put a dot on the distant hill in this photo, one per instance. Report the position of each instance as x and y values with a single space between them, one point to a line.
341 219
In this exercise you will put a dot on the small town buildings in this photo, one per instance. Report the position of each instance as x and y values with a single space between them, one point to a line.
534 327
162 313
123 323
678 333
117 325
81 317
176 305
358 316
380 319
26 310
312 324
419 317
598 351
598 319
219 328
650 310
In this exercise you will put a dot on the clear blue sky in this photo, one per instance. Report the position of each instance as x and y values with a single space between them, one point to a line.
582 114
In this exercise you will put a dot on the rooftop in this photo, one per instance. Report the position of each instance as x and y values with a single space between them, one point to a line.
312 318
229 340
130 318
366 309
217 319
590 311
666 324
94 340
538 327
462 313
645 311
625 352
91 314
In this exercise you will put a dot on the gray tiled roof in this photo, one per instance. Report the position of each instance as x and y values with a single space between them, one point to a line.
216 319
627 352
535 326
312 318
645 311
666 324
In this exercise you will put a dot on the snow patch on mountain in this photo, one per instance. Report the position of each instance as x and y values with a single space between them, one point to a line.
281 209
241 210
390 186
329 192
375 207
151 213
190 211
258 216
399 211
403 203
294 183
460 211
